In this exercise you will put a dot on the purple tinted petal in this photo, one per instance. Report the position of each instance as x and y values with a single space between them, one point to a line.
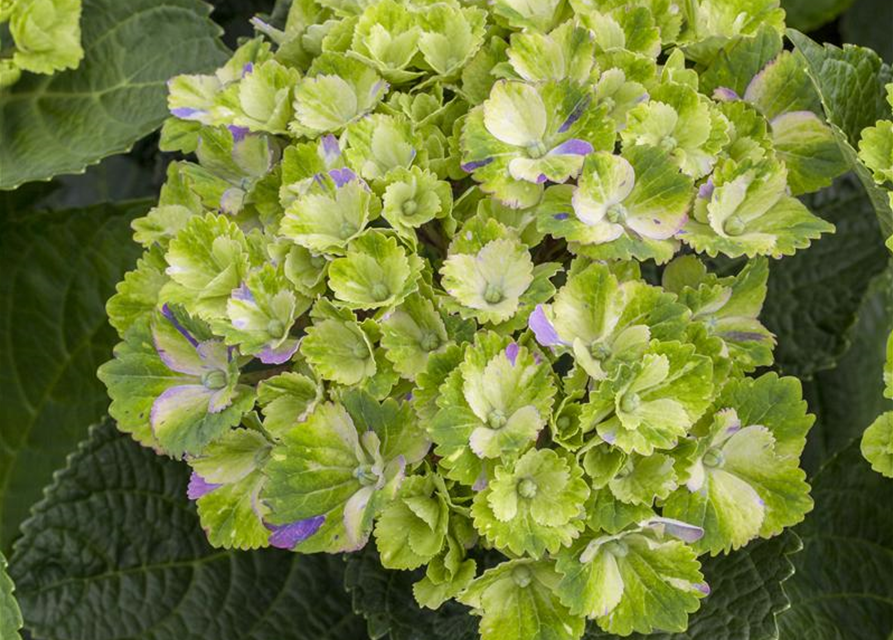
703 587
280 354
511 352
724 94
572 147
331 150
541 178
214 354
542 328
231 200
575 114
243 293
676 528
468 167
561 216
342 176
288 535
705 191
187 113
238 133
175 398
198 487
247 69
377 88
481 483
167 313
220 400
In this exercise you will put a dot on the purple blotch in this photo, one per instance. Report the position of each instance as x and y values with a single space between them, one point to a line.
511 352
342 176
167 313
468 167
575 114
199 487
572 147
238 133
288 535
542 328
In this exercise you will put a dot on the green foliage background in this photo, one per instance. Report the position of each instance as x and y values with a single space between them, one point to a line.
101 540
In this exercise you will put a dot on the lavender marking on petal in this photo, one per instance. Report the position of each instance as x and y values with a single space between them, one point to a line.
331 150
468 167
167 313
705 191
247 69
575 114
511 352
238 133
288 535
541 178
542 328
243 293
186 113
724 94
280 354
561 216
199 487
704 588
342 176
572 147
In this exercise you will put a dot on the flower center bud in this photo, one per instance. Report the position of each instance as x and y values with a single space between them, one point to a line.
527 488
668 143
713 458
616 213
347 230
430 342
380 291
276 328
214 379
522 576
563 422
366 475
599 351
536 149
630 402
410 207
493 294
734 226
496 419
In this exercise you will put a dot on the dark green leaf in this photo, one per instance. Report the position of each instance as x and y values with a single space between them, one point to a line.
851 84
843 586
385 599
58 270
115 551
867 23
740 60
62 123
814 296
808 15
849 397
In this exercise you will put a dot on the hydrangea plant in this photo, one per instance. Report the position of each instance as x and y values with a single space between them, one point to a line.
439 277
46 37
876 152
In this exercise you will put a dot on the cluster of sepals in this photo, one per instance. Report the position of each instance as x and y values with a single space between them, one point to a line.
876 153
46 37
400 294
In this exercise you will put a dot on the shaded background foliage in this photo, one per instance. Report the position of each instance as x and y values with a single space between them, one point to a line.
112 548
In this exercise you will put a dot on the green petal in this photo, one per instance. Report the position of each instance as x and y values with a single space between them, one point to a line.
374 273
411 333
877 444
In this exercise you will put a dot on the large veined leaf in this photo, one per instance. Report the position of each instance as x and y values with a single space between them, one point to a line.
851 84
847 398
58 270
62 123
386 600
10 615
814 296
746 597
115 551
843 585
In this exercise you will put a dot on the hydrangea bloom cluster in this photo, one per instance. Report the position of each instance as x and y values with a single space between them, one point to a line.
46 37
876 152
433 280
